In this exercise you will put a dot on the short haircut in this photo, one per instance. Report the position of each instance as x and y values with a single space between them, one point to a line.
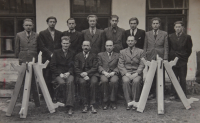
179 22
51 17
156 18
132 19
28 19
111 41
86 41
89 16
131 36
114 16
71 19
67 38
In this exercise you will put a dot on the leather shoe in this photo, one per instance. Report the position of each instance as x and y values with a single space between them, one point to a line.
105 106
128 107
93 110
85 109
70 112
113 105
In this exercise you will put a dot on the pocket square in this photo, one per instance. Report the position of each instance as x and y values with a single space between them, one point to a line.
139 38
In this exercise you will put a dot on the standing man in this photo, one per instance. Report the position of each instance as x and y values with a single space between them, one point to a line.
131 68
109 75
86 69
137 33
76 38
49 40
180 45
94 35
62 69
156 43
116 34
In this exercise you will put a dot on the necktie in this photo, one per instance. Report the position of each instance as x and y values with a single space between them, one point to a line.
110 55
132 32
28 36
92 32
114 29
85 55
155 35
131 52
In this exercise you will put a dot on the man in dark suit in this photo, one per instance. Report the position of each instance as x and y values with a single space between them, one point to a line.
86 69
76 38
180 45
137 33
94 35
109 75
49 40
131 68
116 34
62 69
156 43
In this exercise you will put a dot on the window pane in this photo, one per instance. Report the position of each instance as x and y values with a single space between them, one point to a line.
78 6
29 6
155 4
168 4
104 6
7 45
6 27
91 6
178 3
4 6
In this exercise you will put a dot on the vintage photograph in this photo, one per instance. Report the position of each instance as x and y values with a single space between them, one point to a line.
99 61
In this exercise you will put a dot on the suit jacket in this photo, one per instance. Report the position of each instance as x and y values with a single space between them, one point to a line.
118 38
89 65
106 64
181 48
76 39
26 48
139 37
97 42
47 44
131 63
153 46
61 63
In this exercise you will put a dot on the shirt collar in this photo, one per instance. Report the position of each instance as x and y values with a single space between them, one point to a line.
114 27
135 31
71 31
27 33
179 34
65 51
87 53
156 32
51 31
109 53
94 30
132 48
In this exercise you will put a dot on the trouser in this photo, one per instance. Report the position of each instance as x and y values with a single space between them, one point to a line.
65 92
109 87
132 88
88 90
48 79
181 73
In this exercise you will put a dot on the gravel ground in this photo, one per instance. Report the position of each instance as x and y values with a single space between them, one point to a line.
174 113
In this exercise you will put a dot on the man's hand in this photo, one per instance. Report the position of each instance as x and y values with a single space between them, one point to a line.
112 74
83 74
51 54
106 74
86 78
66 75
133 76
128 75
62 75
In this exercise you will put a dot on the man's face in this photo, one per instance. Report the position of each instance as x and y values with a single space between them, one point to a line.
86 46
114 22
155 24
65 44
71 24
92 21
178 28
52 23
109 46
133 24
28 26
131 42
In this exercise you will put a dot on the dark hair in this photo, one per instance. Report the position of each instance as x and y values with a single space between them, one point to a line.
67 38
156 18
179 22
114 16
28 19
71 19
51 17
92 16
132 19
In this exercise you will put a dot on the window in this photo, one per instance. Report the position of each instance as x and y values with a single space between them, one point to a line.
12 14
168 11
80 9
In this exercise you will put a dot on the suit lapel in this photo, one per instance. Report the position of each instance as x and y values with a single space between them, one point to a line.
49 35
158 36
113 56
25 36
152 35
62 54
134 53
31 36
89 35
137 34
74 37
106 57
96 35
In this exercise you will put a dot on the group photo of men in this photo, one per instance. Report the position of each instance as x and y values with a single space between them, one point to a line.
99 67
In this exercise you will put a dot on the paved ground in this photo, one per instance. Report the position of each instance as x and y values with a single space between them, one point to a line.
174 113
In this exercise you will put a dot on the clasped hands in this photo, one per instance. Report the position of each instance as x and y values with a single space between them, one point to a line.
131 76
108 74
65 75
85 76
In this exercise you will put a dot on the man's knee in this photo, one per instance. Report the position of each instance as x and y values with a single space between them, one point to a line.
94 80
125 80
137 80
114 79
70 79
104 79
81 81
59 80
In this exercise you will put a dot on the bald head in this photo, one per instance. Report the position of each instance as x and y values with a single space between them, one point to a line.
109 46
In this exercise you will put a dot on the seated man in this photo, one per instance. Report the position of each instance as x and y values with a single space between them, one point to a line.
86 69
109 75
131 68
62 68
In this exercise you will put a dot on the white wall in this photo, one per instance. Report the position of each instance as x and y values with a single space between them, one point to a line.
193 30
126 9
58 8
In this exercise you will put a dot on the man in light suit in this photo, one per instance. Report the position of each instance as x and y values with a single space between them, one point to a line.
139 34
94 35
180 45
62 68
156 43
131 68
49 40
86 70
115 33
109 75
